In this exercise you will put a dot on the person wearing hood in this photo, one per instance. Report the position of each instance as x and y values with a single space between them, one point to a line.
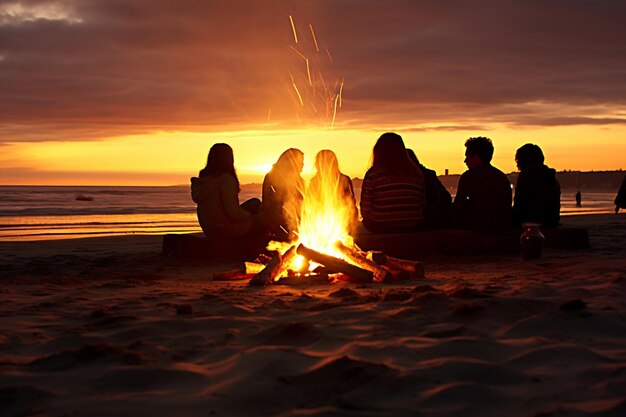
216 190
537 193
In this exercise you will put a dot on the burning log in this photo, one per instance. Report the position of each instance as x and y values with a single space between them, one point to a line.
355 273
381 274
415 268
274 268
305 280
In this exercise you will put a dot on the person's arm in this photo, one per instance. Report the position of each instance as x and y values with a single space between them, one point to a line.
230 200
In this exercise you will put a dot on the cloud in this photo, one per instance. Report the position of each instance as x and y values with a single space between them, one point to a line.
86 69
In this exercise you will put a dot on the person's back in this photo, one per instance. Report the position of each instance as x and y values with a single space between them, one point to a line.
437 198
331 191
219 212
392 193
283 193
216 190
620 198
537 193
483 199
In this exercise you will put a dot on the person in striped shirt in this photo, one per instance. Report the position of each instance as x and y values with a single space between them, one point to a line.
392 194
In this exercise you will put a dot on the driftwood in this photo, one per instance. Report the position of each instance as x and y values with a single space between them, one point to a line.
415 268
274 268
355 273
381 274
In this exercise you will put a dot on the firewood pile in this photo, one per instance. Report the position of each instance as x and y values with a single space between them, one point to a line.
356 267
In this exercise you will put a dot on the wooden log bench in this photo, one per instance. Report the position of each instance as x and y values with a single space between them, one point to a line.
197 246
465 242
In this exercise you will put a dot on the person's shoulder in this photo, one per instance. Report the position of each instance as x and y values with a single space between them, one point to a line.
496 172
371 172
427 171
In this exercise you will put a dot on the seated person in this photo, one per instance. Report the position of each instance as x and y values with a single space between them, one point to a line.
392 194
216 190
620 198
537 193
283 192
483 198
330 190
438 199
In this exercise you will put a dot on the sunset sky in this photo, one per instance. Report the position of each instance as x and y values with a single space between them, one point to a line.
135 92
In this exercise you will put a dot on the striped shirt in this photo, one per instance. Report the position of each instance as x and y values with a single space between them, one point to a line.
392 203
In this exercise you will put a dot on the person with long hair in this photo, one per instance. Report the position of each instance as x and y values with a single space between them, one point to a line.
215 190
331 190
392 194
283 193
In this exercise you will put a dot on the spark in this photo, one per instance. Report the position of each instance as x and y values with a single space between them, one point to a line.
317 48
329 56
269 114
284 230
332 123
295 87
341 94
293 27
308 73
272 187
298 52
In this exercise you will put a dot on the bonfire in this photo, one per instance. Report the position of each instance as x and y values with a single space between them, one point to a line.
323 249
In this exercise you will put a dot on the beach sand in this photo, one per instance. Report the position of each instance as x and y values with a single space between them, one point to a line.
109 327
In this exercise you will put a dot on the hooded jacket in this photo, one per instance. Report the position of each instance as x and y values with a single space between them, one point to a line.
219 212
537 197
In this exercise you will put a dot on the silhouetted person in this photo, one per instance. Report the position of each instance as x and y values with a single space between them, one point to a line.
216 190
620 198
537 193
283 193
332 192
438 199
579 199
483 197
392 194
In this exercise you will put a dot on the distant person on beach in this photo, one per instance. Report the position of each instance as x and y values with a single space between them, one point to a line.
579 199
331 190
620 198
537 193
392 193
216 190
438 199
483 197
283 193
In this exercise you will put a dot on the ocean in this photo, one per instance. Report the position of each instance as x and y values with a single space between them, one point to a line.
54 212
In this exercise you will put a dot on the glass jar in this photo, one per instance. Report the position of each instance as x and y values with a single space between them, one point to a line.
531 241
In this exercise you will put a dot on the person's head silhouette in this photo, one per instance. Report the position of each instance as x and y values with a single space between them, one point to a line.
479 151
528 156
219 161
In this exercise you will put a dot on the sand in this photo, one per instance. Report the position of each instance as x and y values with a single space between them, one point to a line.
108 327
